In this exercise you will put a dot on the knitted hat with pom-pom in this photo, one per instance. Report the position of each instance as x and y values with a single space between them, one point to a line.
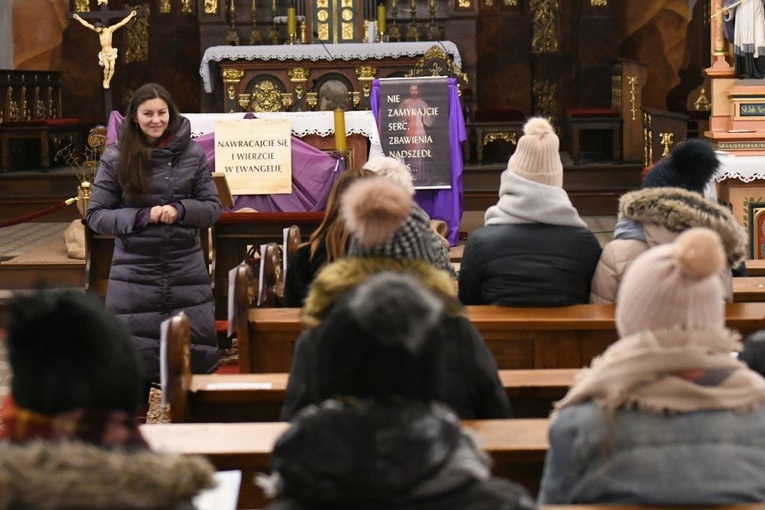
691 166
537 158
383 221
674 285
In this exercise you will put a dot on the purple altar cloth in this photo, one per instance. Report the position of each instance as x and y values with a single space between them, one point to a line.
442 204
313 174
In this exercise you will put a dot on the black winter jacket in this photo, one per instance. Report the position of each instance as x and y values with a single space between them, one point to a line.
528 264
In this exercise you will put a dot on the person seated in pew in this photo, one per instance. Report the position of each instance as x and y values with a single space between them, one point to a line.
666 416
534 249
397 171
753 353
326 244
671 201
380 438
386 236
68 437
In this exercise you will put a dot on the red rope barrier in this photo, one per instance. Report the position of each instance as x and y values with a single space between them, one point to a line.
34 215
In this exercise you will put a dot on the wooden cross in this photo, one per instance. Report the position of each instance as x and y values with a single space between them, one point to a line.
101 19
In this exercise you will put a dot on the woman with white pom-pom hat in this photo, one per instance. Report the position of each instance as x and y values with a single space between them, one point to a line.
534 249
666 416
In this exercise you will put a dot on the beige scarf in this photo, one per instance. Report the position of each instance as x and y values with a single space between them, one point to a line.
646 371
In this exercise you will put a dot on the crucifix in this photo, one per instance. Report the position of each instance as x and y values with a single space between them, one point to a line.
107 57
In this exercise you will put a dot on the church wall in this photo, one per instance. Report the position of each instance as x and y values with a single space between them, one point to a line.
495 44
6 36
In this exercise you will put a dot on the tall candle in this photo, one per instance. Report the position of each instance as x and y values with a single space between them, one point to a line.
291 22
340 141
381 18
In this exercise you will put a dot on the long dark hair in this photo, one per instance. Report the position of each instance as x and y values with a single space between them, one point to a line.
135 148
332 232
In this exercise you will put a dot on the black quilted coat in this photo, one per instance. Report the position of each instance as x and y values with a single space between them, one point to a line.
161 270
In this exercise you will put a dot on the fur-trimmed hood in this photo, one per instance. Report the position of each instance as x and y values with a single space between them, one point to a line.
677 210
347 273
40 475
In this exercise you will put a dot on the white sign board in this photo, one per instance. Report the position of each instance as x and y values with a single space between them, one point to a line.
255 155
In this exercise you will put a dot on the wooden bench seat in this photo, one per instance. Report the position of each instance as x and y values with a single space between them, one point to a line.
517 448
748 288
519 338
259 397
755 267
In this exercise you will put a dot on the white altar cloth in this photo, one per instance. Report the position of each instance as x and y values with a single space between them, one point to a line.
314 52
302 123
743 168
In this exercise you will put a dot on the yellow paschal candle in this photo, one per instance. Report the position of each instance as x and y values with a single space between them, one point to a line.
291 21
381 18
340 141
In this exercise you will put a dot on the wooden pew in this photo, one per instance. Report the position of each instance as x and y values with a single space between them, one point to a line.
233 233
517 448
748 288
259 397
519 338
755 267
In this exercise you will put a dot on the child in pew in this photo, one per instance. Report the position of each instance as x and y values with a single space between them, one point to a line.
326 244
534 249
671 201
381 440
68 437
387 234
397 171
666 416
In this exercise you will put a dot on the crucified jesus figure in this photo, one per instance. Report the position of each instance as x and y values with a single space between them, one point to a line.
108 54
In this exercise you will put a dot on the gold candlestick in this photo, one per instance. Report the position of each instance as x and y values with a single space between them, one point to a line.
413 34
394 33
232 37
255 36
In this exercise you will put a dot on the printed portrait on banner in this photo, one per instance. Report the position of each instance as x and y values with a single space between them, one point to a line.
414 127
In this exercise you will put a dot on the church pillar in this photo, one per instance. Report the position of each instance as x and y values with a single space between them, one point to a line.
6 36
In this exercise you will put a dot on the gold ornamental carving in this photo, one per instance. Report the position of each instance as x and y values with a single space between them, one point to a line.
366 74
164 6
51 105
545 94
298 74
186 7
702 103
266 97
632 81
138 37
599 3
546 29
647 139
231 79
211 6
82 6
465 4
511 138
667 140
511 3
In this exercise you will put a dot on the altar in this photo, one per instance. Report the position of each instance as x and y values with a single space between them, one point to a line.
741 185
315 76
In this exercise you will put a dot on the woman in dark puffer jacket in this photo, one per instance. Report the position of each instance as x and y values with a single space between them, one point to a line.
153 193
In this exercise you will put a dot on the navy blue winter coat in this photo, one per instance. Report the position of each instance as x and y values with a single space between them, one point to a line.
160 270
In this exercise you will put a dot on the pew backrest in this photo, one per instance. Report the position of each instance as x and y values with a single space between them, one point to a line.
519 338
